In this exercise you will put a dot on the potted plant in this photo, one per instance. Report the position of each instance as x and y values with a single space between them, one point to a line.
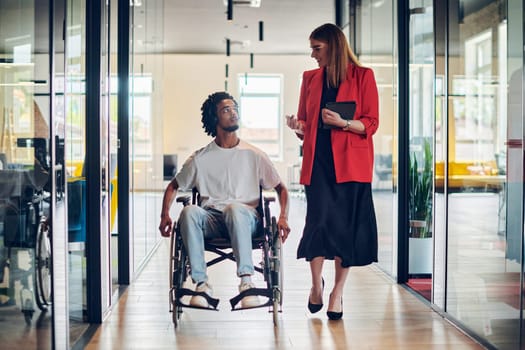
420 212
420 196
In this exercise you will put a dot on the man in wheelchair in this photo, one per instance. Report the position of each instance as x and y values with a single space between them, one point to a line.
228 174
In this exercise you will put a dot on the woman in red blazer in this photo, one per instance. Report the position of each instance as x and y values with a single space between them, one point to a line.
338 158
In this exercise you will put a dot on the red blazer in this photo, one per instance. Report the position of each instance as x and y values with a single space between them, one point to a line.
353 153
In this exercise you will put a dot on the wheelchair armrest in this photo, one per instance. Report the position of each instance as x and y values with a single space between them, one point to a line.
268 199
184 199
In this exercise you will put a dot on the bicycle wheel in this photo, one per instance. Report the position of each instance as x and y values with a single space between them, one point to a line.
43 266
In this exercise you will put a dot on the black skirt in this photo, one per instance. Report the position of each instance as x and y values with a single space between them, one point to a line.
340 218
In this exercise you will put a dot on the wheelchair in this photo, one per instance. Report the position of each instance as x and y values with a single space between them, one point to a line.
26 227
267 240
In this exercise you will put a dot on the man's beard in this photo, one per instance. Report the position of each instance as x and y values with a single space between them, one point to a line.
230 128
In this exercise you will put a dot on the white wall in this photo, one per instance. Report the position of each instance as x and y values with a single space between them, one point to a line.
189 79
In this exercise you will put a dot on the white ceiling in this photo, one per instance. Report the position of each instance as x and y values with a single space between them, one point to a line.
200 26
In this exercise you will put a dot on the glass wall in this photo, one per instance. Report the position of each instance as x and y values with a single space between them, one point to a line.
75 155
465 149
28 193
377 51
514 193
146 147
87 157
105 158
44 130
421 146
112 174
483 270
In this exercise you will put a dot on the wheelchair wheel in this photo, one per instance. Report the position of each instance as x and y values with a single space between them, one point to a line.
171 262
178 275
277 271
43 266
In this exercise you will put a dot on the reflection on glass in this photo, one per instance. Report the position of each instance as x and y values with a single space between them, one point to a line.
421 148
113 149
146 146
483 278
25 182
75 106
372 53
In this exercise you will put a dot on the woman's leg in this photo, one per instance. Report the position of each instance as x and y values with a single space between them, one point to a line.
316 269
335 302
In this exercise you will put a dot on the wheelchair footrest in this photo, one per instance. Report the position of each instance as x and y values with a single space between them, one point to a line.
252 291
185 291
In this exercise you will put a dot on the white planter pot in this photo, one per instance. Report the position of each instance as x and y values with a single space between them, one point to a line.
420 255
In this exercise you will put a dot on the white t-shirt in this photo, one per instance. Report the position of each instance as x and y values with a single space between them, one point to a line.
226 175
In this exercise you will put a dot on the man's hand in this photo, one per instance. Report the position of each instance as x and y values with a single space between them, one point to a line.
284 229
165 226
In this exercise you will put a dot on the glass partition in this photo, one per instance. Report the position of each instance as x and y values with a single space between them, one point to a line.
512 207
421 147
146 158
113 142
75 157
106 130
26 165
484 172
376 51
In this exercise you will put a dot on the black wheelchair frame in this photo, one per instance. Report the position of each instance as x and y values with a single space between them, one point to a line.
28 227
267 239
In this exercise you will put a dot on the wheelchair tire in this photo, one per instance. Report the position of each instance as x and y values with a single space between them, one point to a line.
277 255
179 275
42 261
172 260
277 272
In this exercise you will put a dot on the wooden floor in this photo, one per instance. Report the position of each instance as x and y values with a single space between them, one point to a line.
378 314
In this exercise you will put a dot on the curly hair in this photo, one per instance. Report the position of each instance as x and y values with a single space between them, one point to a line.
209 111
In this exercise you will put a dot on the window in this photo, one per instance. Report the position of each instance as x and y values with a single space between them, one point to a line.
260 112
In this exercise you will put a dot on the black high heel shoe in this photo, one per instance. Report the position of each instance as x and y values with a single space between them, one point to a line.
315 307
335 316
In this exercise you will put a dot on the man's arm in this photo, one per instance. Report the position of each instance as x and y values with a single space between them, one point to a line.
165 226
282 223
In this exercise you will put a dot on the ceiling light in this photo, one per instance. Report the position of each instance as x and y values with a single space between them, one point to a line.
249 3
261 30
229 13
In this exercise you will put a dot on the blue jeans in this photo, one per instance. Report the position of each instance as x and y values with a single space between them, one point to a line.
237 221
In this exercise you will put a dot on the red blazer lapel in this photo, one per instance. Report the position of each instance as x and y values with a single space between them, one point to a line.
316 90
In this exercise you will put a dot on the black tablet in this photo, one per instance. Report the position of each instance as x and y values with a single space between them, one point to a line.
345 109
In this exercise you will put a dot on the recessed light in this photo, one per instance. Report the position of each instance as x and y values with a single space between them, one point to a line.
249 3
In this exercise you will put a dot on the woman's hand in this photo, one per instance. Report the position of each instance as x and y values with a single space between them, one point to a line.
332 118
295 124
